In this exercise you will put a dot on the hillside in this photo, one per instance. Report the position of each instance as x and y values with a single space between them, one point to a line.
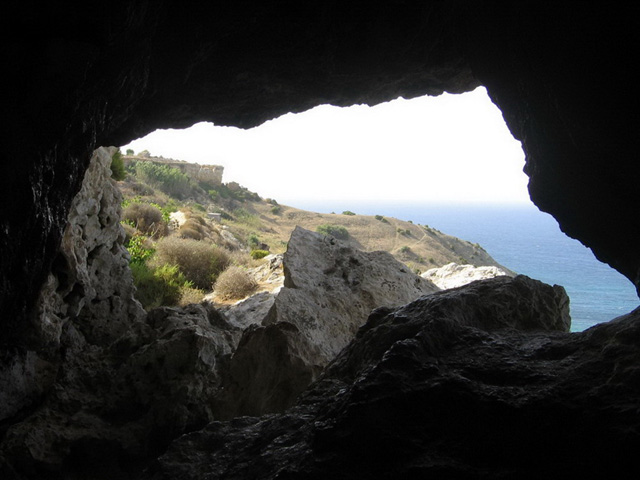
418 246
245 222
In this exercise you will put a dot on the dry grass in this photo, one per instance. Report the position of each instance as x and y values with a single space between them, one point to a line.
200 262
234 284
146 218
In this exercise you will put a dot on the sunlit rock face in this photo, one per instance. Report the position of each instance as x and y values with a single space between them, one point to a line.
455 400
453 275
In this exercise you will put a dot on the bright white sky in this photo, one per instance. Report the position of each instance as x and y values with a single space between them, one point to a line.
446 149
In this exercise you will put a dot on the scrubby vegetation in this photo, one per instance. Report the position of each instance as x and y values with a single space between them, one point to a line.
200 262
258 254
145 217
234 283
118 171
184 235
175 262
168 179
337 231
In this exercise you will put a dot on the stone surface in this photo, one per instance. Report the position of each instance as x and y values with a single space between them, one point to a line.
329 290
453 275
559 72
90 283
331 287
439 388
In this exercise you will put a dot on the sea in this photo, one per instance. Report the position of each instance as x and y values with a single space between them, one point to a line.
527 241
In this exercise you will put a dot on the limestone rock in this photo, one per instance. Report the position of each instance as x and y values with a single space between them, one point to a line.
90 283
453 275
329 290
331 287
443 388
250 311
270 368
270 274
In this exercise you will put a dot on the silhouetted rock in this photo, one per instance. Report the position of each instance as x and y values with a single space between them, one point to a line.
447 386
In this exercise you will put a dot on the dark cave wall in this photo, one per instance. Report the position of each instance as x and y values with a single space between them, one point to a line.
103 75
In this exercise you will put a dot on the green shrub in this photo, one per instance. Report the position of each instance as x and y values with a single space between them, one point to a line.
253 241
276 209
139 249
160 286
148 218
337 231
348 212
381 218
200 262
258 254
234 283
118 171
168 179
405 249
130 151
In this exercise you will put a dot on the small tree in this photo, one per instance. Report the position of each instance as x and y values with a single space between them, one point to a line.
118 171
337 231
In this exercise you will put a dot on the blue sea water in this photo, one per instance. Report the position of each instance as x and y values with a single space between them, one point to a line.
529 242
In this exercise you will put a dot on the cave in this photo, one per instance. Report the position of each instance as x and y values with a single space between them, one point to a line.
105 74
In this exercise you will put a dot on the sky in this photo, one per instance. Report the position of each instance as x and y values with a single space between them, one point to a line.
445 149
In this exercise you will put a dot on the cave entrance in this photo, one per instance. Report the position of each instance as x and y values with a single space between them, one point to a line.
446 162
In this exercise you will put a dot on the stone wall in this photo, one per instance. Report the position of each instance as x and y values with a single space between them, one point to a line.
211 174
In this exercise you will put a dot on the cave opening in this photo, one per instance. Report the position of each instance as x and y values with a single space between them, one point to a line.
448 162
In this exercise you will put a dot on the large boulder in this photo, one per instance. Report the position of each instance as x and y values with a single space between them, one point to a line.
330 288
448 386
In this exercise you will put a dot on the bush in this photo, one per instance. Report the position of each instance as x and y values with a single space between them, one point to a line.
200 262
258 254
253 241
145 217
337 231
381 218
193 228
276 209
139 248
168 179
189 232
191 295
118 171
234 283
159 286
348 212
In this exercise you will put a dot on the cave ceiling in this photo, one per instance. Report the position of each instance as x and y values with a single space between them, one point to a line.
104 74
